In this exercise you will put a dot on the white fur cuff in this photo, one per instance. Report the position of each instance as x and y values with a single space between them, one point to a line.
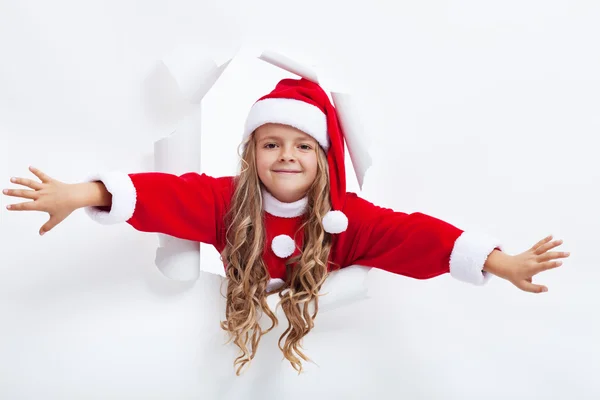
124 198
469 255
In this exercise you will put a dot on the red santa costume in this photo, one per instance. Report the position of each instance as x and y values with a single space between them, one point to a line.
192 206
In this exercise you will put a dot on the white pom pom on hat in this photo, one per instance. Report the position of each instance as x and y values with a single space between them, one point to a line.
335 222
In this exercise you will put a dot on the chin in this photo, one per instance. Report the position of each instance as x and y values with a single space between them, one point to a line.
288 198
289 195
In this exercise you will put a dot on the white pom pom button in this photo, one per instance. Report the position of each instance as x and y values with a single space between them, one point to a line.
283 246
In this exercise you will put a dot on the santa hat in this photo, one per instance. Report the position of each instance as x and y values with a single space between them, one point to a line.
304 105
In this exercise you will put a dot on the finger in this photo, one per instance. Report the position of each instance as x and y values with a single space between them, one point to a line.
27 182
43 177
25 206
552 255
532 287
542 242
25 194
548 246
52 222
545 266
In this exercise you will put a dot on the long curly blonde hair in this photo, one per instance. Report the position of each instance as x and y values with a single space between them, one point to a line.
247 274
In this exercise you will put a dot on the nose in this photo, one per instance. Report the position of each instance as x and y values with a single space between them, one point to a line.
287 154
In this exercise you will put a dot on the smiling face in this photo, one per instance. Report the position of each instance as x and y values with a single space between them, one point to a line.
286 160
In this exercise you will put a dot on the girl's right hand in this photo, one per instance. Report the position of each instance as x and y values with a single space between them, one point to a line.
57 198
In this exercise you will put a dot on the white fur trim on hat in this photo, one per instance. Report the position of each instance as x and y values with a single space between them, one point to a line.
283 246
124 198
469 255
335 222
296 113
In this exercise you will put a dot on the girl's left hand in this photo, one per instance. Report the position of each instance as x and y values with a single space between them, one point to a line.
521 268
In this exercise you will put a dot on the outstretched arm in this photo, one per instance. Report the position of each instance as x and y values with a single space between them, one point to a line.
423 247
190 206
57 198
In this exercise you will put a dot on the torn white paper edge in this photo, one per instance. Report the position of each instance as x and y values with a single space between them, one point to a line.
356 140
289 65
179 153
343 287
194 75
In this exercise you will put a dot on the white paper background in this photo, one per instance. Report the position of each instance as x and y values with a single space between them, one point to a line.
484 114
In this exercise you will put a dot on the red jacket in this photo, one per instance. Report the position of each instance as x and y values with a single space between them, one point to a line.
192 206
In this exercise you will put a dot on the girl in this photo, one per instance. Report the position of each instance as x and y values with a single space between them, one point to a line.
286 221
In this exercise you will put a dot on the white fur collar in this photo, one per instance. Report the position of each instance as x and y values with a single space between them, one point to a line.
281 209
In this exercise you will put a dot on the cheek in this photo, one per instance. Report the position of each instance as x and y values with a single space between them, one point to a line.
311 166
263 164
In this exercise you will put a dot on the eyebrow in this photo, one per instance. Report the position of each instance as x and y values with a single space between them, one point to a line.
297 138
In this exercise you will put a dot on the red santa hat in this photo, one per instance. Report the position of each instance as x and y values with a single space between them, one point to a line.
304 105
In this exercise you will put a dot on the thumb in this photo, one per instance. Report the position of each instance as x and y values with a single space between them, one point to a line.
527 286
52 222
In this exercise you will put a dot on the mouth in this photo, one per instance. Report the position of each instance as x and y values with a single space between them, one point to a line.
285 171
